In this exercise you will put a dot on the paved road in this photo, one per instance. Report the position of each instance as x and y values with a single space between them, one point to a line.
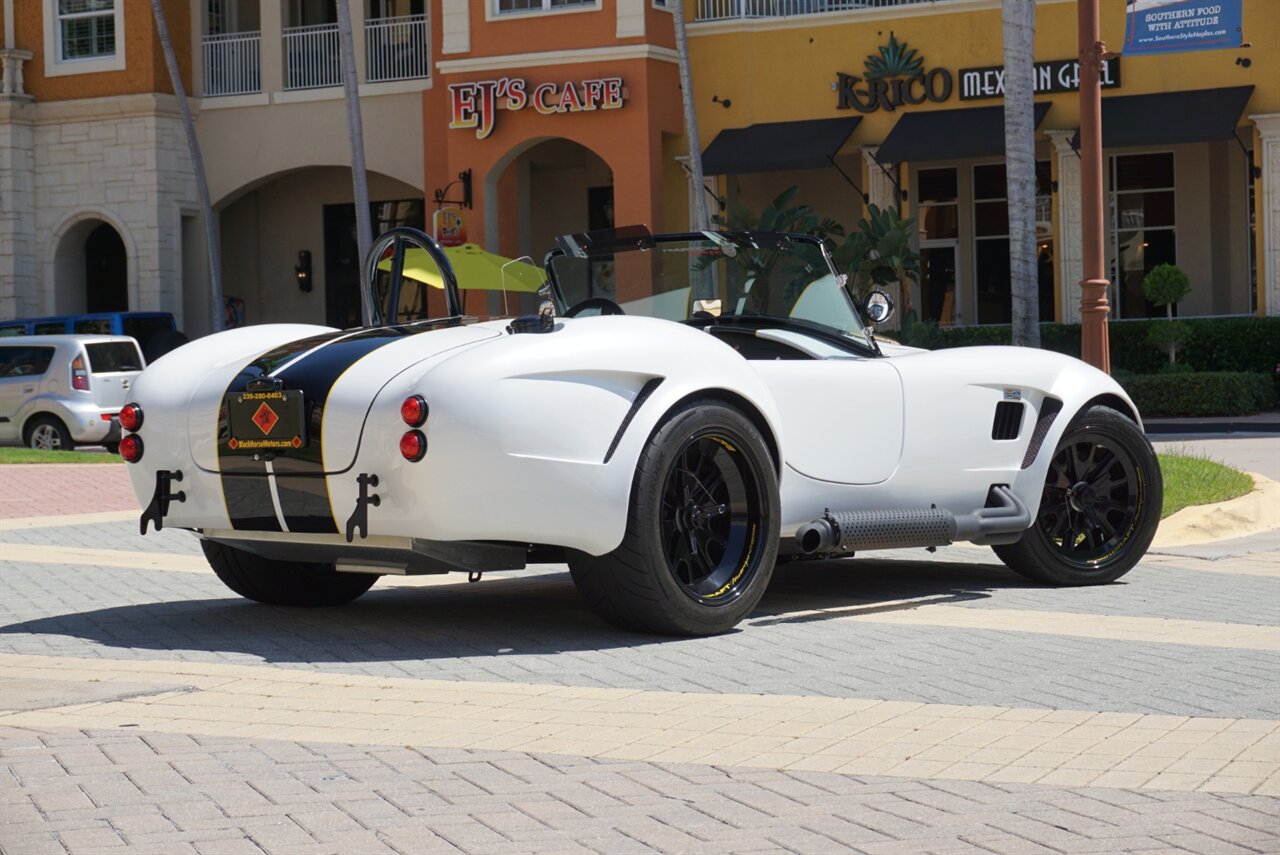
893 705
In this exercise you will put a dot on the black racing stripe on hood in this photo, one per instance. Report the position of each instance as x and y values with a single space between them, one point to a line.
300 483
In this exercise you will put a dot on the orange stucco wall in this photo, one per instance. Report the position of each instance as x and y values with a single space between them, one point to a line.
628 139
144 70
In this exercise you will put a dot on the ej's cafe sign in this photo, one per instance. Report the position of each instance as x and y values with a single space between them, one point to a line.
475 104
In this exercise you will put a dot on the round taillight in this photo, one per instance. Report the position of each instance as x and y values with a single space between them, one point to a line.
414 411
131 448
413 445
131 417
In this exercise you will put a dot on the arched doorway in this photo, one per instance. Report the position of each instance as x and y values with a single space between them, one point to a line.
554 187
91 269
106 271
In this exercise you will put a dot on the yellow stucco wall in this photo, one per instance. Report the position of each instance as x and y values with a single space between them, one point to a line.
784 70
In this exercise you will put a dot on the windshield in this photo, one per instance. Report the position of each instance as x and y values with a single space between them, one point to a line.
706 275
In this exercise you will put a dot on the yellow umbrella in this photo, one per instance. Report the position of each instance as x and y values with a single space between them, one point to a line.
476 269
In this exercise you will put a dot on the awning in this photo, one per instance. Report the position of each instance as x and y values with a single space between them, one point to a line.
948 134
1169 118
777 146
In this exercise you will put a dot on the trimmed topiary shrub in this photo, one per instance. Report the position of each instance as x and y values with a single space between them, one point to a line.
1205 393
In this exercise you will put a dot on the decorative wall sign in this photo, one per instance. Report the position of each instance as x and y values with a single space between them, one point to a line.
449 227
1169 26
475 104
1058 75
894 77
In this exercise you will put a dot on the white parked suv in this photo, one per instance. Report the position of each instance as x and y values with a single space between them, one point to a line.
60 391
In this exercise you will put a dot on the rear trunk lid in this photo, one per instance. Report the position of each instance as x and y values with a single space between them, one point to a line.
303 404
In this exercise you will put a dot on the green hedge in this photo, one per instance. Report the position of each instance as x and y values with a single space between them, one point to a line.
1214 344
1207 393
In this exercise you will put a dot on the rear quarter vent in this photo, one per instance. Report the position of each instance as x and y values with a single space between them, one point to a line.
1008 421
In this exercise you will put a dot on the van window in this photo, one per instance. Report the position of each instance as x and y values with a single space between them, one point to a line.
143 328
96 326
108 356
51 328
24 361
13 329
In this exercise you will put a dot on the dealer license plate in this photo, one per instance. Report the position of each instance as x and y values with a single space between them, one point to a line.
266 421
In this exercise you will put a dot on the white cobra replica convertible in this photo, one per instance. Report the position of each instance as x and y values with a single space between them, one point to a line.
684 411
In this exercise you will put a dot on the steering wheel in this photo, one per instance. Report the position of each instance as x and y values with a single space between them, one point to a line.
604 304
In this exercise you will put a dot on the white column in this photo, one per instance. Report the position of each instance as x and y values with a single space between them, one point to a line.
1268 212
883 193
272 46
1069 248
880 188
455 26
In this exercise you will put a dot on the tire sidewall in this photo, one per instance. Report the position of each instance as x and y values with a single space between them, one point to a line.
661 456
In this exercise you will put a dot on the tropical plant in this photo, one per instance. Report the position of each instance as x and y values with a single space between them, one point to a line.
894 59
212 232
355 137
690 118
780 215
1019 25
879 254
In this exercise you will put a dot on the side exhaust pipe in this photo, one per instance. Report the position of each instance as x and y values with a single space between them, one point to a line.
843 531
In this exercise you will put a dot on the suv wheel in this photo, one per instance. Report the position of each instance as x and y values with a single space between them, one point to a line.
46 433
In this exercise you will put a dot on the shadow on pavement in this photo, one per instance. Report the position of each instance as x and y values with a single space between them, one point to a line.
530 615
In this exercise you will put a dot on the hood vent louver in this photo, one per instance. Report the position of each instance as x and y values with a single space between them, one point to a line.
1008 420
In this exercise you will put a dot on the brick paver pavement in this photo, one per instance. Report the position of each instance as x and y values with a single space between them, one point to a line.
889 705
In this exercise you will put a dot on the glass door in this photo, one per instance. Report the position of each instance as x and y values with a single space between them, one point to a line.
938 281
939 213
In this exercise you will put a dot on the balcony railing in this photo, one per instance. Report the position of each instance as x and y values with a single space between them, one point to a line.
723 10
397 48
232 64
312 57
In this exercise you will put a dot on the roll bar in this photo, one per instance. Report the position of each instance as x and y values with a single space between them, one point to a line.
370 310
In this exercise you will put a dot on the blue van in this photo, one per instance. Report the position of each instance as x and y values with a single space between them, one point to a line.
155 332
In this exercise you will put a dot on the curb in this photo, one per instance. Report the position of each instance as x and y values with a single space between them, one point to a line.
1157 427
1255 512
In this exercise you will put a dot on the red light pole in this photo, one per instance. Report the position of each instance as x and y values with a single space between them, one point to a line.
1095 348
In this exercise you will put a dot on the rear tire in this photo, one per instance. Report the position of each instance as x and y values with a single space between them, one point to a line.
284 583
1100 508
48 433
702 530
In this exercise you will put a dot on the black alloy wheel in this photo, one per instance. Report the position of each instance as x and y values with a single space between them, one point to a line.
710 506
1100 506
702 529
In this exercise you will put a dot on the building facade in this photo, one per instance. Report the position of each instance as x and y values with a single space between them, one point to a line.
901 104
531 118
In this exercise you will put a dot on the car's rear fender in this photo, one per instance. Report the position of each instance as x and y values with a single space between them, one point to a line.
526 437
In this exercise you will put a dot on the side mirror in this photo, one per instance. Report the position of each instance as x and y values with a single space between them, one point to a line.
878 306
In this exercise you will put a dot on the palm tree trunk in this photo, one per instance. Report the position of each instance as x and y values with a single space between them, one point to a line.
355 136
211 231
1018 18
700 221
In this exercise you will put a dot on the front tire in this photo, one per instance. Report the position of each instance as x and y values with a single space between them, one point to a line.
47 433
284 583
1100 507
702 530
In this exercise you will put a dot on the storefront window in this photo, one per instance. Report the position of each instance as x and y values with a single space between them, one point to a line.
1142 228
1253 235
937 192
993 281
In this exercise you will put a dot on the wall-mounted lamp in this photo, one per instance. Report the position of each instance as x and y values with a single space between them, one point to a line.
302 270
464 178
723 102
